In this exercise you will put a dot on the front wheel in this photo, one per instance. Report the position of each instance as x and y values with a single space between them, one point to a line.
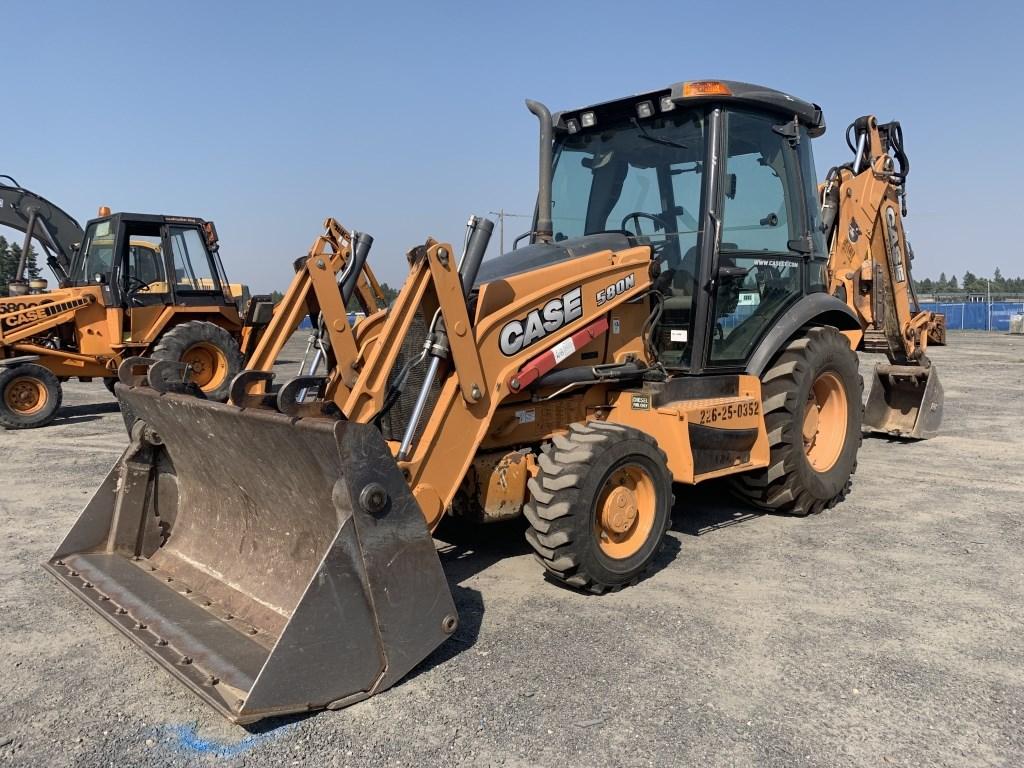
211 353
600 505
29 396
813 411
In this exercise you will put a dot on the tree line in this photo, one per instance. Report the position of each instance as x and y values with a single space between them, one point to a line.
971 283
10 255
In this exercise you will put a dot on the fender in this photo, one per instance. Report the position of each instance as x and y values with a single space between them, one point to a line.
812 309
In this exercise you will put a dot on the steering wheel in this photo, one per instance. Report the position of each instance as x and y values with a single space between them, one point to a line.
135 285
659 223
637 215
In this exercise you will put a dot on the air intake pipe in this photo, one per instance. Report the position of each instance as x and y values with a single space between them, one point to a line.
543 231
477 239
361 243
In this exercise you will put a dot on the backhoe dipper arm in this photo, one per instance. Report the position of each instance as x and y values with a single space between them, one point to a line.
54 228
863 204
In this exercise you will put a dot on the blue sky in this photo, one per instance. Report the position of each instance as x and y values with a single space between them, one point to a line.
401 119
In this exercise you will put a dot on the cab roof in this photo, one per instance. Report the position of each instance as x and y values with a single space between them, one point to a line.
149 218
702 91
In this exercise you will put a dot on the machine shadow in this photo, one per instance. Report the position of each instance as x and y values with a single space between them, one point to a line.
77 414
465 550
707 507
890 439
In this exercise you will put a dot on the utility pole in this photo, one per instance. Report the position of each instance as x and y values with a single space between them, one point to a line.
501 214
988 302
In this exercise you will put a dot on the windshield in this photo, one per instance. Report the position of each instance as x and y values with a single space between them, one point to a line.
638 177
96 254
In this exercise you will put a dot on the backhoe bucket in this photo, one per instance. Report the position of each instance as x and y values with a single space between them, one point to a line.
271 564
905 401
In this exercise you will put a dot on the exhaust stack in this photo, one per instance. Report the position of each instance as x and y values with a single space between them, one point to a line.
544 230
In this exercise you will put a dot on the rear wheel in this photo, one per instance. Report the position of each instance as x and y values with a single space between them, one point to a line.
211 353
600 505
29 396
812 411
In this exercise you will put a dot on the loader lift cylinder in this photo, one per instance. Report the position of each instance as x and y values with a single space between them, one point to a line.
477 239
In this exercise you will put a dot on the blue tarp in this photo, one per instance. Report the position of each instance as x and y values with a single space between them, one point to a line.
977 315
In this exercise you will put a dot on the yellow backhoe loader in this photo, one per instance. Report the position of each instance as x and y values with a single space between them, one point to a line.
669 322
863 205
129 285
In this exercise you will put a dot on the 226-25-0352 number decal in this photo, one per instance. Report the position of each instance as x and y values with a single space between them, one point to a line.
729 412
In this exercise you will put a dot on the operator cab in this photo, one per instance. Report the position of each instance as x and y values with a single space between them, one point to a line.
142 260
737 241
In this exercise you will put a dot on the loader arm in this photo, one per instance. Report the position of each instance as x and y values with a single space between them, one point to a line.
35 216
869 268
315 291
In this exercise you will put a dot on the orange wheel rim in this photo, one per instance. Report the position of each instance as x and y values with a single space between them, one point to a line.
824 428
625 511
208 363
26 395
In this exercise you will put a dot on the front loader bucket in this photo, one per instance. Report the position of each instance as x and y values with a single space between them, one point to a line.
905 401
271 564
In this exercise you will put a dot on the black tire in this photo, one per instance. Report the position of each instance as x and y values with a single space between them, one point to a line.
30 396
180 339
790 483
564 497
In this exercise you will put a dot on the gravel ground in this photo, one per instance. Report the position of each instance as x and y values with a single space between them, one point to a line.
883 632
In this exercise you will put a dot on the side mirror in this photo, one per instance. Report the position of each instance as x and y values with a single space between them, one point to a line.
730 186
210 231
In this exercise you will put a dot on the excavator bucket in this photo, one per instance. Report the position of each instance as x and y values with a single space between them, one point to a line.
905 401
271 564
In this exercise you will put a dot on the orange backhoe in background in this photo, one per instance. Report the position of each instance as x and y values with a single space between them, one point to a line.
129 284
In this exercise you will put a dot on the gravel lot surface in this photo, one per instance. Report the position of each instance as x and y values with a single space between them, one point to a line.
886 631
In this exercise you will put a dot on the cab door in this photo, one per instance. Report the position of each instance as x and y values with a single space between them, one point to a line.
141 278
763 240
197 278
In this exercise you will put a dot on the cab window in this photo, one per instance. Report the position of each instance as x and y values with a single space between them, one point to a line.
643 178
97 253
192 267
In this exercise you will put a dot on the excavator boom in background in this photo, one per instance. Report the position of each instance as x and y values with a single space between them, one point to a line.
57 232
669 322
